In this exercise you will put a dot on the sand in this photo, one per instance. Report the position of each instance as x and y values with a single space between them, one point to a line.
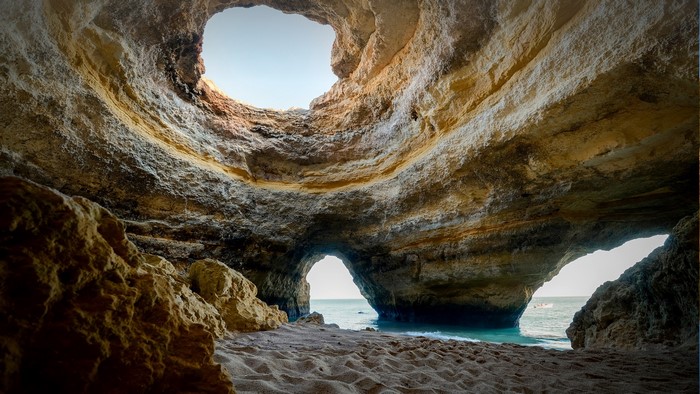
321 359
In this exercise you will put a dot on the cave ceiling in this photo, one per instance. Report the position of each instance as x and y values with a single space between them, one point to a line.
468 151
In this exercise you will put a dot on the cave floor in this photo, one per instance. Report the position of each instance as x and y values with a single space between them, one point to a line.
323 359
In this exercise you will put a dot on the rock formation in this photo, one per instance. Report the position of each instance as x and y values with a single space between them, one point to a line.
83 311
469 150
234 297
312 318
653 304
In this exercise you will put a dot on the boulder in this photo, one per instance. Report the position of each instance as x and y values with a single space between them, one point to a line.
82 310
234 297
312 318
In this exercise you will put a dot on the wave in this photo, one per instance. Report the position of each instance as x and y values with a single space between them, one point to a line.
441 336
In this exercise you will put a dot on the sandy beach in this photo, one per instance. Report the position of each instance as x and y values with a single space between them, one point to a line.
322 359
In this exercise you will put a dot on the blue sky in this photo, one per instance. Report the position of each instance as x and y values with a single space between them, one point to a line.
268 59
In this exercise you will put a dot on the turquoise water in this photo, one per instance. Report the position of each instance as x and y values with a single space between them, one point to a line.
538 326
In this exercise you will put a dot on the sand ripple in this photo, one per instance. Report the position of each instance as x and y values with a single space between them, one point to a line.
314 359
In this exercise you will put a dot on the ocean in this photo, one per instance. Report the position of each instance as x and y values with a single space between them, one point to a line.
538 326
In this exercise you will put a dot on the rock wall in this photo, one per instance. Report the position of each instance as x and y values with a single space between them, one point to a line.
653 304
81 310
469 150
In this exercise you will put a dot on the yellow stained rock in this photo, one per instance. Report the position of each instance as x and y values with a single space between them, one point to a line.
234 297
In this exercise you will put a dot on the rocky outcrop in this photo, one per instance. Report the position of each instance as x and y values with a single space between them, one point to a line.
312 318
83 311
653 304
234 297
469 150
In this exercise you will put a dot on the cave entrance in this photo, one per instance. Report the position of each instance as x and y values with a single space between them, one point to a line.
334 294
266 58
553 305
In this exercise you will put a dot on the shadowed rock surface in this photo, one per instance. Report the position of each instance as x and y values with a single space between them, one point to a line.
234 297
82 310
653 304
469 150
312 318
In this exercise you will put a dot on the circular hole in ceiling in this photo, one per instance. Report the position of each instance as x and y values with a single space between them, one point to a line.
268 59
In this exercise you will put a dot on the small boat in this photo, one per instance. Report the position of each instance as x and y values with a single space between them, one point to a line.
543 305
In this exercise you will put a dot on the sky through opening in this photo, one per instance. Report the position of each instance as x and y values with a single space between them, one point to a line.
582 276
330 279
268 59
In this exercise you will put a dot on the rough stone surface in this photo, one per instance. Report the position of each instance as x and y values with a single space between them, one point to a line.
234 297
652 304
312 318
82 310
469 150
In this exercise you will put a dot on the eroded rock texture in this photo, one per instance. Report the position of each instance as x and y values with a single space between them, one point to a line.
469 150
234 297
653 304
82 310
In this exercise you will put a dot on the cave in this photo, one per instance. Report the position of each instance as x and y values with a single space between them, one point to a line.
468 151
447 188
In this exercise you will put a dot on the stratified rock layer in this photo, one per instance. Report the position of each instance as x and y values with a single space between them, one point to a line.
653 304
81 310
234 297
469 150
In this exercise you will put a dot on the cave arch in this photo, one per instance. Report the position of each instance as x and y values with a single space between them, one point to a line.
582 276
311 259
413 287
329 278
576 283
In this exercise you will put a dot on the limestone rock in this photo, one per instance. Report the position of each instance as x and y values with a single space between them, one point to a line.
234 297
81 310
311 318
191 306
652 304
469 150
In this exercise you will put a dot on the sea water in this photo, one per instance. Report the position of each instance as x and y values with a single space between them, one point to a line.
538 326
